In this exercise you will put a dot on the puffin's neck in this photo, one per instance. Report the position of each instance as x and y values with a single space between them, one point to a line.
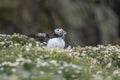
57 36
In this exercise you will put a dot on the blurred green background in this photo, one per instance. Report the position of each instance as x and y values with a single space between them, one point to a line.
87 22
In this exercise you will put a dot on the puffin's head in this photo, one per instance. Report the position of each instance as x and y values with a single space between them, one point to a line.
59 32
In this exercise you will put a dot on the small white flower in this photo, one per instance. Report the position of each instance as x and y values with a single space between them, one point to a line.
27 49
13 70
119 56
41 57
19 59
75 66
2 42
29 44
108 65
15 64
20 55
74 76
10 64
83 54
91 66
99 72
28 61
38 59
46 56
16 44
45 64
53 62
61 67
41 44
37 44
97 77
59 72
94 61
77 71
41 72
116 72
108 78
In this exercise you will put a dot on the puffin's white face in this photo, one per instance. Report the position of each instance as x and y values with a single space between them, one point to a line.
60 32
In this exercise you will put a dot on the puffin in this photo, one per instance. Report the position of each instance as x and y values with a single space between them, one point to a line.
56 41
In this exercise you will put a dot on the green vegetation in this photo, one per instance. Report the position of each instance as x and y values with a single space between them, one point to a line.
22 58
94 21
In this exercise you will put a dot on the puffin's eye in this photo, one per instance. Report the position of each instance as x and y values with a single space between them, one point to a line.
58 30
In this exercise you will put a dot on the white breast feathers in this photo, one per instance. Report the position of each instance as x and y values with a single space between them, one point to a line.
56 43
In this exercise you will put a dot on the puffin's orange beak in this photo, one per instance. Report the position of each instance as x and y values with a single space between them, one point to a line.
63 31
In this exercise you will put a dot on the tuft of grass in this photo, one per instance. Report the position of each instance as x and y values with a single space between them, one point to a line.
24 59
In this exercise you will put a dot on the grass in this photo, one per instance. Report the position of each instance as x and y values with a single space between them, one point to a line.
24 59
